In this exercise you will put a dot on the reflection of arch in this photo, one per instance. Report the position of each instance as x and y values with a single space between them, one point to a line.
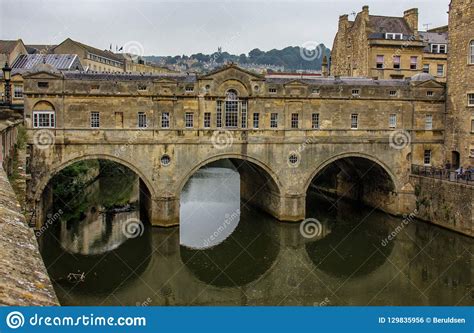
261 165
333 159
55 169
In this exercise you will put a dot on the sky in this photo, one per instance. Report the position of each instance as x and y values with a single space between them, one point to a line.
157 27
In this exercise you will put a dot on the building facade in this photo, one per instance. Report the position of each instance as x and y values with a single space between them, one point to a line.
460 91
384 47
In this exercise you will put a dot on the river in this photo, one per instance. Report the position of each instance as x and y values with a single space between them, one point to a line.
228 253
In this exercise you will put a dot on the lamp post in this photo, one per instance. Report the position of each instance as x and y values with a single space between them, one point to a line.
7 72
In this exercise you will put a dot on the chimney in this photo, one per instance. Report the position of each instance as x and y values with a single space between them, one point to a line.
365 12
343 22
411 17
324 66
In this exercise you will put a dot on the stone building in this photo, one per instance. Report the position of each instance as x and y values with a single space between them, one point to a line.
386 47
460 101
10 50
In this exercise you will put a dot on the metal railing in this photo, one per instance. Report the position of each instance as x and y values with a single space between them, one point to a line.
467 177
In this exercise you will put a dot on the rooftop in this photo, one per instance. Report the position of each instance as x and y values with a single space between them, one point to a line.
58 61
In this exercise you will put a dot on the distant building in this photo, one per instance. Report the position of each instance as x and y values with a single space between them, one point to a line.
10 50
92 59
386 47
136 64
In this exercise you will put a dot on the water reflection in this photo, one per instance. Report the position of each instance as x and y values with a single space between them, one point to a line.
256 260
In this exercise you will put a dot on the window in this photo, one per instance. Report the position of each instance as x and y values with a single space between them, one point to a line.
471 52
256 120
142 120
43 119
243 107
472 125
429 93
470 99
43 84
428 122
426 68
354 121
295 121
427 157
438 48
274 120
440 70
189 88
471 152
165 120
189 120
18 91
272 90
413 62
390 35
316 91
207 119
379 61
95 119
231 109
396 62
219 114
95 87
315 120
393 93
141 86
355 92
392 121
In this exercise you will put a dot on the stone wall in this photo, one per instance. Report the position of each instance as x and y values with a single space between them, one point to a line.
444 203
23 276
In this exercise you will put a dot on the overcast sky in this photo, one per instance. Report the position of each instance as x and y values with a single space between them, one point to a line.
188 26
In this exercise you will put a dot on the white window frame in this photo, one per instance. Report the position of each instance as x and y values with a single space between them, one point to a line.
274 120
295 120
429 122
438 66
256 120
378 63
436 48
355 92
95 119
470 99
471 52
18 91
399 63
189 119
140 118
426 68
165 120
207 120
354 121
51 119
189 89
394 35
392 121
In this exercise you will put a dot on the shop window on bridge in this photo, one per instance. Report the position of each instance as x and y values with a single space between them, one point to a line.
44 119
219 114
392 122
207 119
295 123
95 119
142 123
256 120
189 119
315 120
429 122
354 121
274 120
165 120
231 109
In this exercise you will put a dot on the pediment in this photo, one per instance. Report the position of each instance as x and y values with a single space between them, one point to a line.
232 71
42 75
429 84
295 83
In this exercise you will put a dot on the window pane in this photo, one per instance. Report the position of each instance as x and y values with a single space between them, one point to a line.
294 120
274 120
315 120
165 120
207 119
354 121
256 120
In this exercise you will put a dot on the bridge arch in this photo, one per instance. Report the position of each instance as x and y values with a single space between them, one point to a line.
337 157
60 166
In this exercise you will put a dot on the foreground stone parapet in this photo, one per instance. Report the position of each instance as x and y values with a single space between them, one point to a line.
24 279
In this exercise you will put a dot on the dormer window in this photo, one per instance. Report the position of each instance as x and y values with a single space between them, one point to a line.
355 92
392 35
189 89
316 91
142 87
272 90
439 48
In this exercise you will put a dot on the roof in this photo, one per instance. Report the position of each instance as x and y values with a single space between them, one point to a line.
383 24
58 61
180 77
352 81
7 46
434 38
96 51
38 48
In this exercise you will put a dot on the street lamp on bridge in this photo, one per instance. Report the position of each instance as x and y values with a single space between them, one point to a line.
7 72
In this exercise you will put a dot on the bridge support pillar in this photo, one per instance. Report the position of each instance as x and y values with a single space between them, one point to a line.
292 208
163 211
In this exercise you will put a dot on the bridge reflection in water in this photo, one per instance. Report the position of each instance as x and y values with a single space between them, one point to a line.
226 252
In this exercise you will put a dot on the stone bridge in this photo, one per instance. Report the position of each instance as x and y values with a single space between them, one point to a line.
280 133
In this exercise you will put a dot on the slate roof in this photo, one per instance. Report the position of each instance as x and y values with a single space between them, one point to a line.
180 77
58 61
383 24
7 46
38 48
96 51
433 38
352 81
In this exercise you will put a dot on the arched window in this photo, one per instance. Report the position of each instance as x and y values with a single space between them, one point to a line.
44 115
231 109
471 52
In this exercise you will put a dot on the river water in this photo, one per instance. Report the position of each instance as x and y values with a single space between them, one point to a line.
227 253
